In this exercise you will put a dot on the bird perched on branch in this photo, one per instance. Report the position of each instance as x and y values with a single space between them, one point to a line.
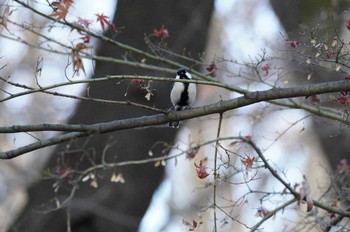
182 94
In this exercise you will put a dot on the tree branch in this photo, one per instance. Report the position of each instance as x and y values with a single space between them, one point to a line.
344 213
159 119
271 213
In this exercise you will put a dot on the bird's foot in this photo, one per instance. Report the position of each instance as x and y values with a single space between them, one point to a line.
174 124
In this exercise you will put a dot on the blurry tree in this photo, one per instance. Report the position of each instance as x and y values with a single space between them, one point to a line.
188 24
316 23
111 153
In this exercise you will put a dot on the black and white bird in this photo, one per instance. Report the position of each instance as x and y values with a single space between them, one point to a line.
182 94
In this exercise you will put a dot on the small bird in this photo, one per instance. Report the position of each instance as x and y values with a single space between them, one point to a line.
182 94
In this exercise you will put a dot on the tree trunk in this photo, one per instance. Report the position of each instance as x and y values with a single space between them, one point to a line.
115 206
291 14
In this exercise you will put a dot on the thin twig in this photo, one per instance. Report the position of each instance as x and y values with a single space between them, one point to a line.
336 220
115 43
215 170
42 90
271 213
109 78
269 167
296 195
69 218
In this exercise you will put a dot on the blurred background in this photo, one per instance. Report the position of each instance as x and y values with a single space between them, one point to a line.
235 35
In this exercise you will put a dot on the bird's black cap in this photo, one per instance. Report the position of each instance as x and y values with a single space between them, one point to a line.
181 71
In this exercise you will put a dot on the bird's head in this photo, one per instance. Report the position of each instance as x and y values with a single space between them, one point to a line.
182 74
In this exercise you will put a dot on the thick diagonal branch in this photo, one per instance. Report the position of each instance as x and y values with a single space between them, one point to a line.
249 98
